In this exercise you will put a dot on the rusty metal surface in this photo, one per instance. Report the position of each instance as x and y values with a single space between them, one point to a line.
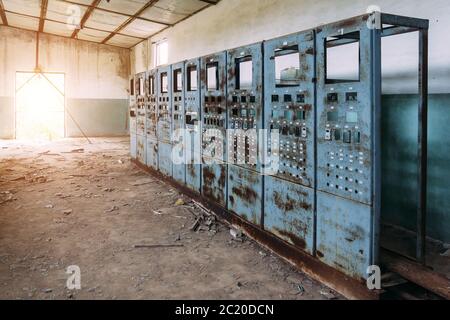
344 155
245 117
289 213
193 124
214 122
245 193
290 110
164 130
178 122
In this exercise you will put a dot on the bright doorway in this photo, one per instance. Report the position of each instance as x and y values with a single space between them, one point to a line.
40 101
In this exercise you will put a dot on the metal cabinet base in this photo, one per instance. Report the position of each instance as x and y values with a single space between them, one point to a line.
194 174
165 158
344 234
141 149
133 146
214 183
289 212
244 193
152 153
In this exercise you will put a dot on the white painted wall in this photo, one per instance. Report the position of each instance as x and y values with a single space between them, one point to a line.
233 23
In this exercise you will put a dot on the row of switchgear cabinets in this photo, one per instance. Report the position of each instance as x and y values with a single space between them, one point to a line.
273 134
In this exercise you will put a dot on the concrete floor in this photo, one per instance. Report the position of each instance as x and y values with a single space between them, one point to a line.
92 207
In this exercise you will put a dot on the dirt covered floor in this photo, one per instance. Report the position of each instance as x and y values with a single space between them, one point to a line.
70 203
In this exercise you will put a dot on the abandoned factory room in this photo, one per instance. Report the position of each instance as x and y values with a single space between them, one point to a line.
224 157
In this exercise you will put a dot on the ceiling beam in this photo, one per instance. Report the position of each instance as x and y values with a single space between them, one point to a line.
65 23
2 13
149 4
86 16
116 12
44 5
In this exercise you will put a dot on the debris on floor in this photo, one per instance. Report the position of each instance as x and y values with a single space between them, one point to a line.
38 246
236 235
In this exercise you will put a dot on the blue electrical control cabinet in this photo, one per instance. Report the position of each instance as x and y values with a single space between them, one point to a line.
245 120
284 137
214 127
165 162
178 123
193 124
345 140
152 121
132 118
290 117
141 104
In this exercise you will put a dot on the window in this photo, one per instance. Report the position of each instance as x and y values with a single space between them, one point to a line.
164 83
342 58
212 76
132 86
192 78
162 53
287 66
244 73
177 80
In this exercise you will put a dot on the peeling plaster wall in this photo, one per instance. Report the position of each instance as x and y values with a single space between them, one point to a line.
96 79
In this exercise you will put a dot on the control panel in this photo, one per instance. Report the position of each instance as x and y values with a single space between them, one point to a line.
214 107
152 105
164 104
141 102
289 206
245 112
132 115
289 107
178 134
344 124
192 108
214 125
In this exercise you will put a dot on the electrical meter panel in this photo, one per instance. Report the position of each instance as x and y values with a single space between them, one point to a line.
141 101
178 126
344 146
245 120
132 115
192 108
152 120
290 118
165 120
214 125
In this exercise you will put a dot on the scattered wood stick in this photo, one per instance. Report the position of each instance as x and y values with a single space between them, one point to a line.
153 246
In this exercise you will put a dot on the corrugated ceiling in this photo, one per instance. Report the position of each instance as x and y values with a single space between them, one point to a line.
122 23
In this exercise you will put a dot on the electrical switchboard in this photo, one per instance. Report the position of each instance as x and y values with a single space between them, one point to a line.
132 116
289 115
245 120
178 127
141 102
284 134
193 124
165 120
152 120
214 125
344 146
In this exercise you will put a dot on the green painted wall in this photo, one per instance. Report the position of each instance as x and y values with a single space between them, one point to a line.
399 152
6 118
97 117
